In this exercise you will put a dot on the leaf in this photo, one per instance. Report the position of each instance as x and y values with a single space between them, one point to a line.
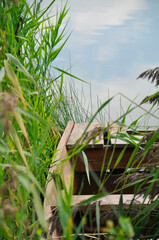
36 199
38 207
94 116
30 183
3 149
120 157
30 115
21 125
34 180
56 52
69 74
98 216
152 140
152 74
86 165
2 73
17 143
22 69
126 226
25 181
13 78
121 204
151 99
80 225
134 123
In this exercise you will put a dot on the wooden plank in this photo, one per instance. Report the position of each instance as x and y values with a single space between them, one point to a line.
82 186
114 128
95 158
76 134
92 138
140 131
63 141
138 136
111 200
65 170
121 143
51 190
94 131
118 142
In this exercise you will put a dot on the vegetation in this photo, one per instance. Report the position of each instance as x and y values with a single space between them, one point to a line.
35 109
153 75
29 125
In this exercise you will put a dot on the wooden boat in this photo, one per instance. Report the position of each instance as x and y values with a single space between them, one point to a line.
102 148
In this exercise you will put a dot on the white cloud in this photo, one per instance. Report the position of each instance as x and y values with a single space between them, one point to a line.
90 18
91 15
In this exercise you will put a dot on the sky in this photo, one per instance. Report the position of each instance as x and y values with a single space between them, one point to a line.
111 43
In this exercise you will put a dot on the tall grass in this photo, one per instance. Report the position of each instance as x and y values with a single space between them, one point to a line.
30 125
35 108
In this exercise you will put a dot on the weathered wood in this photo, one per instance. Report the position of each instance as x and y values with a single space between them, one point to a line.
95 152
108 181
111 200
64 169
121 143
94 137
51 191
96 157
76 134
118 142
140 131
114 128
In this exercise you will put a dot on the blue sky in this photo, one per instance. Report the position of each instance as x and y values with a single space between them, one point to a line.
106 46
112 42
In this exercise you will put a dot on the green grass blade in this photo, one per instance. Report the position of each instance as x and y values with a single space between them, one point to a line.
69 74
85 160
